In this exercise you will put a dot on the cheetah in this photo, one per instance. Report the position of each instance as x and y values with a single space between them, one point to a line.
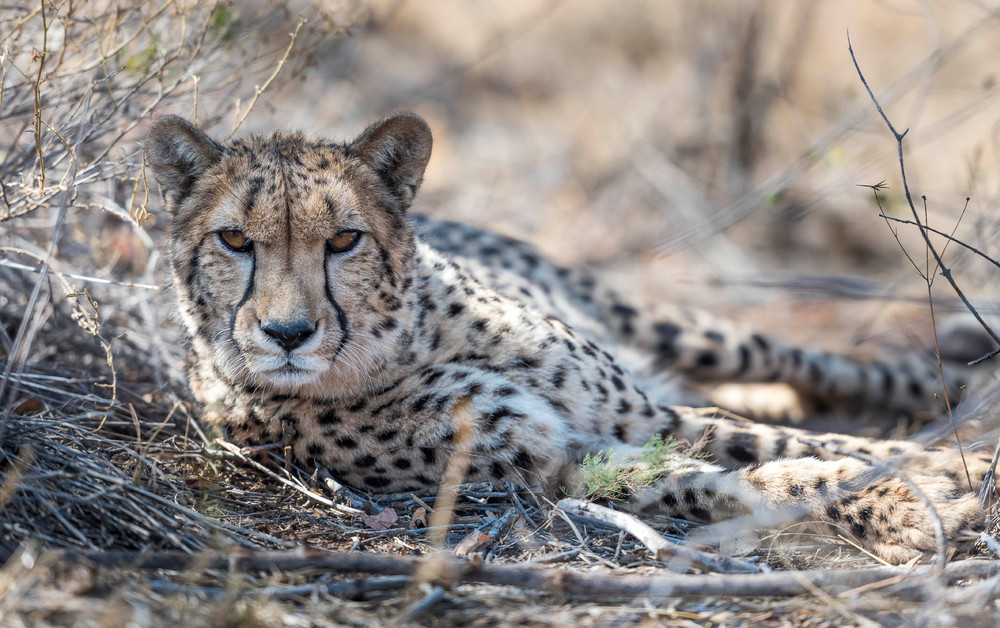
324 315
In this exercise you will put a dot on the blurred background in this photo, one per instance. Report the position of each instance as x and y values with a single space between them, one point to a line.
707 153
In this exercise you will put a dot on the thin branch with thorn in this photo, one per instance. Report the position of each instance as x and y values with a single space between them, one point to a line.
945 271
939 263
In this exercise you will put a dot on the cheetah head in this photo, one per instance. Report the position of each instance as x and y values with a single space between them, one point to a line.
291 257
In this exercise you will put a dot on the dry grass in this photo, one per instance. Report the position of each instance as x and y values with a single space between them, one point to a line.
634 127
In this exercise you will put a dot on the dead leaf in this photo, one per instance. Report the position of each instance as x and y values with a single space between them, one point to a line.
473 543
381 521
28 406
419 518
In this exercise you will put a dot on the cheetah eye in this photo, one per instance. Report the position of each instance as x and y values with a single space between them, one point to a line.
235 240
344 241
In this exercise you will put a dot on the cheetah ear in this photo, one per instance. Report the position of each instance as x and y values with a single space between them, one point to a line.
397 149
178 153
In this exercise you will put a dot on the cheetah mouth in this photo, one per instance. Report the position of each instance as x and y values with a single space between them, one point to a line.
285 371
288 375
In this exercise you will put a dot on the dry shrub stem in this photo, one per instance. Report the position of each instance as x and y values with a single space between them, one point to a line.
260 89
945 271
447 495
939 262
42 55
948 237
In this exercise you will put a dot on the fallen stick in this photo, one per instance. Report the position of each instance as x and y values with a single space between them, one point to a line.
661 548
348 589
555 581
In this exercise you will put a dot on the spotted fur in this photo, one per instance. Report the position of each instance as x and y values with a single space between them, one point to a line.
358 358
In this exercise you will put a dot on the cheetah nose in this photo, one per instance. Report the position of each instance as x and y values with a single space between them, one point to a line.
288 335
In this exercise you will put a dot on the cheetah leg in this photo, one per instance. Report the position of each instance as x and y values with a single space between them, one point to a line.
880 511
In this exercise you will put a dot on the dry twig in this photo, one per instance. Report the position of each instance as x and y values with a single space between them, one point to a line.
660 547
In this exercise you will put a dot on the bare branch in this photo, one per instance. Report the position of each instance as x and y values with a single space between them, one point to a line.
945 271
660 547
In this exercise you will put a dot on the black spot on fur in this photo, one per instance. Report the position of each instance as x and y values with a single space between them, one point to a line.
524 362
328 417
619 432
442 401
497 471
490 419
742 447
377 410
714 336
700 514
815 374
420 402
428 454
523 460
761 342
781 444
558 377
388 323
888 381
377 481
706 359
431 376
744 365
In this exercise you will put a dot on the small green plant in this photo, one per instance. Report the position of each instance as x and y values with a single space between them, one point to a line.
605 476
222 21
